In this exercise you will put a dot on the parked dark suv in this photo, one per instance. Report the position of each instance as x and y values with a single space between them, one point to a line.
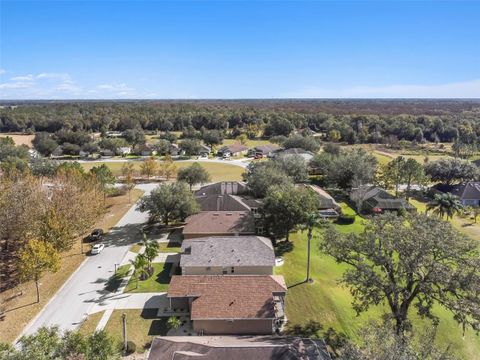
96 235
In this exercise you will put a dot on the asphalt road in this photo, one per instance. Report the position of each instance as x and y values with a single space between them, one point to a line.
85 288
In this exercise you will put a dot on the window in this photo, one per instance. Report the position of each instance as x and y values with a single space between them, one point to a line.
232 270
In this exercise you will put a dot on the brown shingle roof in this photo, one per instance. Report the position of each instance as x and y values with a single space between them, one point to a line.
220 222
229 297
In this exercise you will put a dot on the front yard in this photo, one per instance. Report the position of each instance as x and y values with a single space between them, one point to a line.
328 302
158 282
142 327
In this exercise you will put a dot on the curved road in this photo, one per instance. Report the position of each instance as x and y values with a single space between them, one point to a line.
85 287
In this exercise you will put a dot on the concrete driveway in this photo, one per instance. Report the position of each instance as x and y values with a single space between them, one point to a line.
85 288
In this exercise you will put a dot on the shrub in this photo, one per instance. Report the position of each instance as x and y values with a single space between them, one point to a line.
131 347
346 219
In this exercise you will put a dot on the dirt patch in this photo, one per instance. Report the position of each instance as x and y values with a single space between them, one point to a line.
20 139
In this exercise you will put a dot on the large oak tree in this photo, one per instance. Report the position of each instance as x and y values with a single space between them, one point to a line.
410 262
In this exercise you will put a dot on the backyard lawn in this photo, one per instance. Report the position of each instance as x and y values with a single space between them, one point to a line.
158 282
142 327
328 302
217 171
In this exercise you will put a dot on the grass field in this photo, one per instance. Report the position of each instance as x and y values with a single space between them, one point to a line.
249 143
158 282
142 327
20 310
328 302
20 139
217 171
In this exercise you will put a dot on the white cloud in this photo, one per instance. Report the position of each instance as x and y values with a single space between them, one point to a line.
116 88
466 89
28 77
2 71
16 85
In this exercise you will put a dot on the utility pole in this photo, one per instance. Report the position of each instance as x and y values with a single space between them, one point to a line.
124 320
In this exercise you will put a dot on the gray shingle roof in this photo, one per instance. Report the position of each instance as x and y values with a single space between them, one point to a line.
467 191
237 348
228 251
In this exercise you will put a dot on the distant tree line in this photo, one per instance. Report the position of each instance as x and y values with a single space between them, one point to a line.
365 121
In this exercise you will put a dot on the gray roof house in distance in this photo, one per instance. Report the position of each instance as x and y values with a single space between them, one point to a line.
468 193
237 255
327 206
237 348
225 196
263 150
306 155
374 199
232 150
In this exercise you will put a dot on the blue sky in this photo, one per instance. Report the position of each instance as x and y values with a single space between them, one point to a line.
238 49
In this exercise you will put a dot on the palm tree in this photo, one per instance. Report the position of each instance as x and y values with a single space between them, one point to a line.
445 204
311 221
152 249
139 265
174 322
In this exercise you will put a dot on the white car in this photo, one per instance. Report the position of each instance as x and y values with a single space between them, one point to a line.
97 248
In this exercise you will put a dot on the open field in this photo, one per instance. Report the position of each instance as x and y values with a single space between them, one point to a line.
328 302
249 143
20 310
20 139
218 171
142 326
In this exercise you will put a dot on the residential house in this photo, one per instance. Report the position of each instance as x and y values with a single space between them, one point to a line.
114 134
373 199
468 193
228 255
243 304
106 153
219 223
226 196
124 150
263 150
306 155
57 153
232 150
327 206
175 150
237 348
204 150
144 150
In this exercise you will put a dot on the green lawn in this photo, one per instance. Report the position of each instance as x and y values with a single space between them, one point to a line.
168 248
136 248
250 143
329 302
115 280
158 282
217 171
142 327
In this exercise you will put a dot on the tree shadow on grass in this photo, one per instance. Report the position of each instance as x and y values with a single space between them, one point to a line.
283 247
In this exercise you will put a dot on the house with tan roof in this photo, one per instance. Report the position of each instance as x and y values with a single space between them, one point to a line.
231 255
240 305
327 206
219 223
